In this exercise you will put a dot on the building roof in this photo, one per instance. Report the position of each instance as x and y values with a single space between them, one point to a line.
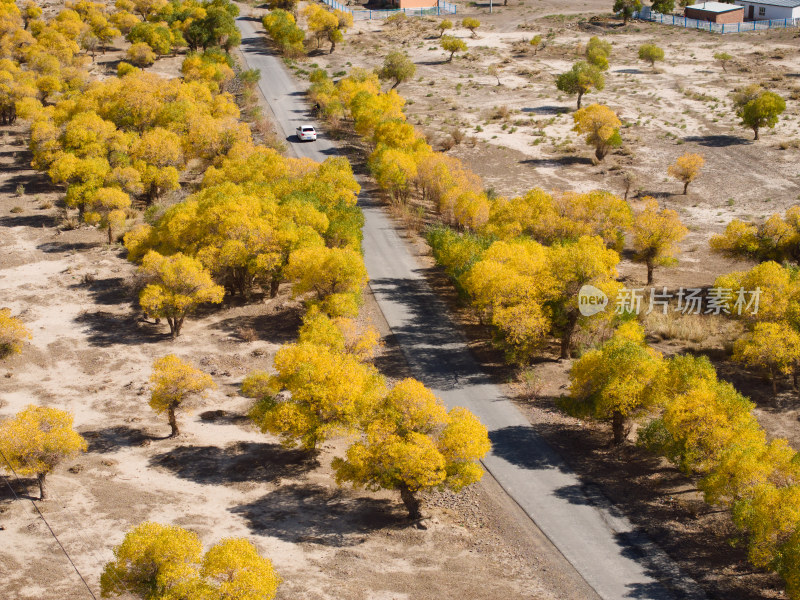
782 3
716 7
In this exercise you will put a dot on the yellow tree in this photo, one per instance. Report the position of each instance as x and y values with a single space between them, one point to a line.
178 285
13 334
601 127
452 45
771 346
656 235
329 392
617 381
37 439
412 443
686 169
173 381
106 208
585 262
141 54
233 569
472 24
336 276
511 284
156 561
746 465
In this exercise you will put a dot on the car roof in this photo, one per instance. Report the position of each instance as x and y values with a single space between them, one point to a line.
306 127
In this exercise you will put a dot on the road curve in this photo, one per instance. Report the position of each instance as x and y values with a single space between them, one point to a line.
614 558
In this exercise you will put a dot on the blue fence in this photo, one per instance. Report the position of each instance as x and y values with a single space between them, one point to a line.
442 8
648 15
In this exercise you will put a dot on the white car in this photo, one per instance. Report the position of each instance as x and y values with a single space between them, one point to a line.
307 133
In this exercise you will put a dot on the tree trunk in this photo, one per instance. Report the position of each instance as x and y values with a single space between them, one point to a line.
618 427
566 339
774 380
685 187
173 422
411 502
110 240
580 95
755 130
333 47
451 57
600 152
396 83
40 479
650 269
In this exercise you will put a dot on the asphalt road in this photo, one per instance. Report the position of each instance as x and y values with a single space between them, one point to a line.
615 559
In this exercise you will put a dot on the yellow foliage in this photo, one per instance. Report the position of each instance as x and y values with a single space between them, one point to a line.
37 439
656 235
329 391
13 334
618 380
601 126
167 561
686 168
413 443
173 381
179 285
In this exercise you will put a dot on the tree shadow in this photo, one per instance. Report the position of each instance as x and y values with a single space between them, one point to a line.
717 141
312 513
558 162
522 446
18 488
279 327
238 462
109 329
429 337
546 110
22 220
223 417
59 247
630 71
111 290
111 439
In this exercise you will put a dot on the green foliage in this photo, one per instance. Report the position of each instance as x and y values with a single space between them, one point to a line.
397 66
758 108
452 45
651 53
282 28
597 53
580 80
626 8
664 7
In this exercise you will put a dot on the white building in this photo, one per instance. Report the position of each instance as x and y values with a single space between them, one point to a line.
763 10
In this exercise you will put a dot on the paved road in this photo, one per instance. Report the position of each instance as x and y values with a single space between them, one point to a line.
615 560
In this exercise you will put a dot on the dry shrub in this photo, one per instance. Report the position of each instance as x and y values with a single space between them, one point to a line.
501 113
457 136
529 384
710 330
246 334
68 222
